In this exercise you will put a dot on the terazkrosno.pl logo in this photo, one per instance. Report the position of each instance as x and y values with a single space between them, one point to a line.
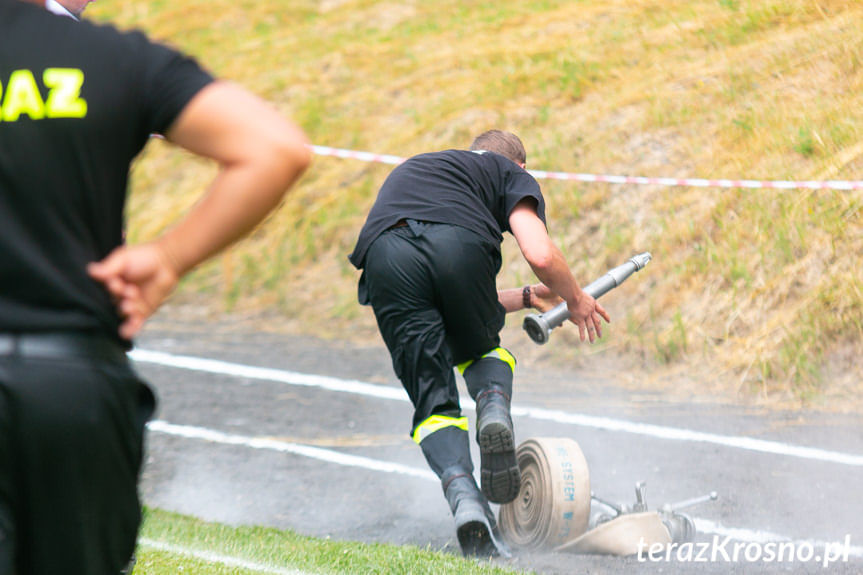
726 550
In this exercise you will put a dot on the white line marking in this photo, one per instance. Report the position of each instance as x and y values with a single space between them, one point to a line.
385 392
212 557
267 374
659 431
756 536
213 436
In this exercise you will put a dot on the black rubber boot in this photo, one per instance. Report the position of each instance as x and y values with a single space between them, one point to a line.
448 454
448 448
489 382
475 524
499 472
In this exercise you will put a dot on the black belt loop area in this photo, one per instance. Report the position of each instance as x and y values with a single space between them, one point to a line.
61 346
398 224
416 226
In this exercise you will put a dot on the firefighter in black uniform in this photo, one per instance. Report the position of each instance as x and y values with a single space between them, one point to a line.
430 253
77 104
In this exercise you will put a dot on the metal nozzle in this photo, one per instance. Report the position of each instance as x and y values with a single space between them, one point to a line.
641 260
539 326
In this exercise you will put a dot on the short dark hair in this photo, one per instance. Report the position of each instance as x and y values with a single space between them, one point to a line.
504 143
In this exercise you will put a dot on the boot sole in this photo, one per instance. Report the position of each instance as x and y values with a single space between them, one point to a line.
499 473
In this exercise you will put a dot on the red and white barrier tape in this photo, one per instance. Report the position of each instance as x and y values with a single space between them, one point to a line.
354 155
611 179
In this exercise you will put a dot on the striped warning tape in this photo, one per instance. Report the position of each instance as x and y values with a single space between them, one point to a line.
612 179
354 155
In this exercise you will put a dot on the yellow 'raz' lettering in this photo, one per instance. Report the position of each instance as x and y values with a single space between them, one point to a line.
64 99
22 96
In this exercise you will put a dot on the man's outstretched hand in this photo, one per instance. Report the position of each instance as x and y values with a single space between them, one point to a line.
588 314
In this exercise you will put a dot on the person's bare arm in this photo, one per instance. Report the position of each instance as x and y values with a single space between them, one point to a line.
549 265
260 155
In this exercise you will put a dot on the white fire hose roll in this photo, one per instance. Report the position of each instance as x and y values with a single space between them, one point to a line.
553 505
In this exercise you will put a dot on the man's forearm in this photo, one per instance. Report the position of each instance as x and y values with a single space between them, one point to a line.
555 273
544 258
260 155
238 200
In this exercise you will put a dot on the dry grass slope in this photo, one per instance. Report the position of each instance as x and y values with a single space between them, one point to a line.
751 292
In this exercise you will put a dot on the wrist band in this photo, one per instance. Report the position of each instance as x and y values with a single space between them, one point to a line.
525 297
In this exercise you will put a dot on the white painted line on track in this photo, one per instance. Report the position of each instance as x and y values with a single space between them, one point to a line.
756 536
268 374
213 436
211 557
704 526
385 392
673 433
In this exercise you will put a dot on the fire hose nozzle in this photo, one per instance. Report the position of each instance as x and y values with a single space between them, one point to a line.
539 326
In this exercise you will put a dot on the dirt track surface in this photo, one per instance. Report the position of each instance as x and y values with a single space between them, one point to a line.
761 493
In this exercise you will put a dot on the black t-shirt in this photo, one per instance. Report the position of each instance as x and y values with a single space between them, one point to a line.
470 189
78 103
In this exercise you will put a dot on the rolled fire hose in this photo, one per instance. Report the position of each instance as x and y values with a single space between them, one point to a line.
553 505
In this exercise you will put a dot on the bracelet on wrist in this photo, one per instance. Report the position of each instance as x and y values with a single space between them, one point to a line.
525 297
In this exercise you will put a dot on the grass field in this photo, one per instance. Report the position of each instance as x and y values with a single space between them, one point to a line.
171 544
752 293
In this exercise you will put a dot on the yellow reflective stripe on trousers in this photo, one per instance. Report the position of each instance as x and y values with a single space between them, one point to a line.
436 423
463 366
498 353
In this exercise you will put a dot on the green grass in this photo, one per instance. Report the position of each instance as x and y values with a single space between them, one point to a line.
170 543
771 89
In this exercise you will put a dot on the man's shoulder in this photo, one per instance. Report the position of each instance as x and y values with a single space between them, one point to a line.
470 161
107 32
49 32
464 157
436 155
15 14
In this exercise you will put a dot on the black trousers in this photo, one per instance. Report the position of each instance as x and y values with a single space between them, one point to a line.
72 417
434 294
